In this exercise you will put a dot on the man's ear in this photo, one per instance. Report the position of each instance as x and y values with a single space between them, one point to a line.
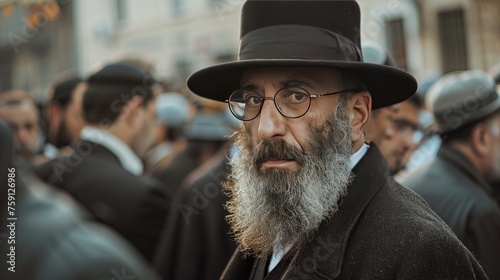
481 140
132 110
361 104
53 109
54 112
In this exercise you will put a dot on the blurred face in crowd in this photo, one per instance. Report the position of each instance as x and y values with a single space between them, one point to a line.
22 116
379 124
65 123
400 141
493 172
291 172
392 129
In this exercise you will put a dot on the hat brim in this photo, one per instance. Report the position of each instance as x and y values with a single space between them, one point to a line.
387 85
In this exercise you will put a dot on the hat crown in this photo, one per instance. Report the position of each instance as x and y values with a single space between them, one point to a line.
459 98
345 21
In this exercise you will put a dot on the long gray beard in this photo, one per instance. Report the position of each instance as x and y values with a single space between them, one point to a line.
277 208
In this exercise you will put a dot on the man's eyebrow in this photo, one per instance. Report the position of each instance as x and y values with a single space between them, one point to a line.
295 82
252 87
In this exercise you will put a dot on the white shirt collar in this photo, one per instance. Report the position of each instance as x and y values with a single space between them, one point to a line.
128 159
354 159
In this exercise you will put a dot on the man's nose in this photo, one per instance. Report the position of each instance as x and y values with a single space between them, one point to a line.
22 135
406 138
271 122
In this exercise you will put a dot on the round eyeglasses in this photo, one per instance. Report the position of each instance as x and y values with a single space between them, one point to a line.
291 102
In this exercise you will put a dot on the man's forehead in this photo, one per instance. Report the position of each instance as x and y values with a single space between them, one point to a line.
277 75
20 107
19 113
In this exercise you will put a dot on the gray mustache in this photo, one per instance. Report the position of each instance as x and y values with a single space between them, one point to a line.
277 149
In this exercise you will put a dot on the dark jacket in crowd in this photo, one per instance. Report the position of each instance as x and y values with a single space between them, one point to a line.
134 206
459 195
196 244
177 170
58 240
381 231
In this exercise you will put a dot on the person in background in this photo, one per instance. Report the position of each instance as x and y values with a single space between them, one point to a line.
64 113
173 111
495 73
456 184
394 129
21 113
68 244
309 199
206 134
105 173
196 244
427 139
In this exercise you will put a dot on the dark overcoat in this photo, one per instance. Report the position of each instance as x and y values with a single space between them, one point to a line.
455 190
57 239
177 170
196 244
134 206
381 231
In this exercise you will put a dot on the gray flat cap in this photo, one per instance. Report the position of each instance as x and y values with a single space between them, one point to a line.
208 126
172 109
373 53
459 98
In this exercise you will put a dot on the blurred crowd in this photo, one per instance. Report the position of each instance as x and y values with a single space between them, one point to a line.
121 175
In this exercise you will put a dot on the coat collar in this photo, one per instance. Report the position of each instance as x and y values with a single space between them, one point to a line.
127 157
324 255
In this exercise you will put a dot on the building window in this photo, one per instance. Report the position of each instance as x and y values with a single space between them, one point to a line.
120 10
452 37
396 42
177 7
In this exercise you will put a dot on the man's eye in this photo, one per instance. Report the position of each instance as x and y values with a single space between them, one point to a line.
292 96
252 100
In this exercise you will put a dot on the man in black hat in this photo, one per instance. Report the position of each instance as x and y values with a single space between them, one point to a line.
309 199
105 172
68 244
456 184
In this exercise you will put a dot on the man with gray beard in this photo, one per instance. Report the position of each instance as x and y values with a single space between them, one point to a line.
309 199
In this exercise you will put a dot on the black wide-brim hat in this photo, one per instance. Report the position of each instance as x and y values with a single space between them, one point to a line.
303 34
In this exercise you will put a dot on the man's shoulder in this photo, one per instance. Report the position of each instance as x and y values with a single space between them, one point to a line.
411 240
400 209
441 179
92 174
68 237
